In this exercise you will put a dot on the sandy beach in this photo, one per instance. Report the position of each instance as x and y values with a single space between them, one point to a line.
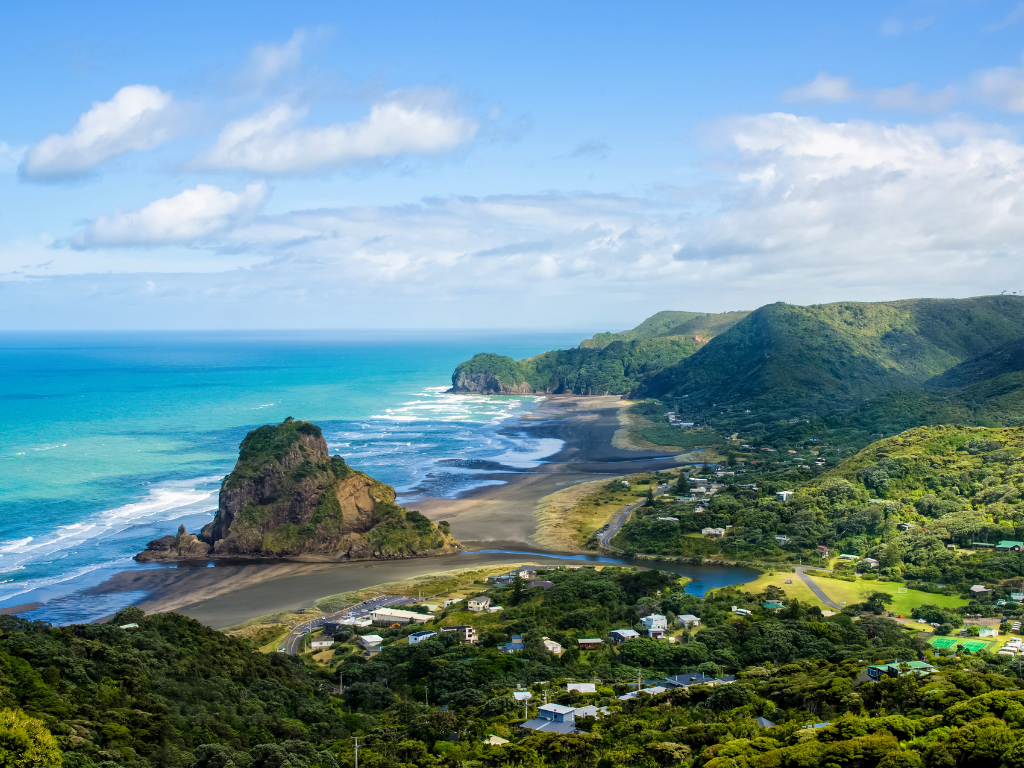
497 517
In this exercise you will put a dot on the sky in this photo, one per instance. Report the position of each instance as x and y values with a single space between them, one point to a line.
501 165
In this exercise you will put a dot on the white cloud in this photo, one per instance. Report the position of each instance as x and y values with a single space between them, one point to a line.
1001 87
891 27
910 96
189 216
10 156
1013 17
421 122
138 117
267 62
823 89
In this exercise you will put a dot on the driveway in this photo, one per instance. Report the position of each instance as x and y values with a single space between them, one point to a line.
814 587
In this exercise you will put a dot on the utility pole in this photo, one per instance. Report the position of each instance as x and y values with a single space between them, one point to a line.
356 740
341 682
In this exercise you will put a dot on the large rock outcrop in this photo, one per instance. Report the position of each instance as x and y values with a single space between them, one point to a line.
288 496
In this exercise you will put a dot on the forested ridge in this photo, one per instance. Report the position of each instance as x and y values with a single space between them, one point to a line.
171 692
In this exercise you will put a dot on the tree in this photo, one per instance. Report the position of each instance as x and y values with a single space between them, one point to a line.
26 743
518 589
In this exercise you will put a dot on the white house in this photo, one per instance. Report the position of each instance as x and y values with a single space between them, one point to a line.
979 589
670 519
712 531
655 624
419 637
783 496
689 620
368 641
871 562
452 601
522 695
326 642
582 687
480 603
551 646
741 611
385 617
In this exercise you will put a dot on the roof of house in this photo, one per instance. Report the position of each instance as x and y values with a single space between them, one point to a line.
497 741
650 691
549 726
423 633
1007 543
590 640
627 632
695 678
371 639
764 722
522 695
558 709
689 617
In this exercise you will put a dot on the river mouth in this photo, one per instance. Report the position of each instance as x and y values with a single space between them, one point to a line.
702 577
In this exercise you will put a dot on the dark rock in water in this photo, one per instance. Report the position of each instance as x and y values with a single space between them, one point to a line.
288 496
184 546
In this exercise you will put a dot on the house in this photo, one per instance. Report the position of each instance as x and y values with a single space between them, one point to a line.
553 718
823 551
713 531
988 632
878 671
652 691
322 643
582 687
689 620
655 624
467 633
670 519
772 605
133 625
452 601
782 539
906 526
697 678
784 496
1010 546
545 585
551 646
495 609
622 635
388 617
764 722
431 608
515 645
951 547
982 545
524 573
1017 597
522 695
419 637
496 741
979 589
849 557
481 603
871 562
589 643
370 641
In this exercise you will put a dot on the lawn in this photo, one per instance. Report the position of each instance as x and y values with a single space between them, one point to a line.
851 592
797 589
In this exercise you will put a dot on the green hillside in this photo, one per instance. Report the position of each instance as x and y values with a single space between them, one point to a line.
785 361
670 323
607 364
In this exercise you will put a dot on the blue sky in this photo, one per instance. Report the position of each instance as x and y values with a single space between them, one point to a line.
228 165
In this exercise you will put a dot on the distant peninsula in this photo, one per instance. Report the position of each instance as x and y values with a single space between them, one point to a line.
287 496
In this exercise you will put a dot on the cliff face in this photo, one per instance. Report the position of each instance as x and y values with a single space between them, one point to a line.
486 383
288 496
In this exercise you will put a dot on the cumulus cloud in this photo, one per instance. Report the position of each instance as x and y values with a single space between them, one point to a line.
192 215
822 89
139 117
422 122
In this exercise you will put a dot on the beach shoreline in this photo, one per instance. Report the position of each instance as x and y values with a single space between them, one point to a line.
493 517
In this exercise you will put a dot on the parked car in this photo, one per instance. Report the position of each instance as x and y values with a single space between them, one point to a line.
936 624
921 621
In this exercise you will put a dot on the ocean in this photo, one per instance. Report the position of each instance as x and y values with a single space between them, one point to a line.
109 440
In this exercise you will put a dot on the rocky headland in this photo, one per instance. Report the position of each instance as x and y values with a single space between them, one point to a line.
287 496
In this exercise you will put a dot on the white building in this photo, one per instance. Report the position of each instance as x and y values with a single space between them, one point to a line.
419 637
551 646
655 624
783 496
582 687
324 643
481 603
689 620
452 601
385 617
713 531
622 635
369 641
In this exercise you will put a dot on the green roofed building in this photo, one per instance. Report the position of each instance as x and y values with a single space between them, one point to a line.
772 605
878 671
1010 546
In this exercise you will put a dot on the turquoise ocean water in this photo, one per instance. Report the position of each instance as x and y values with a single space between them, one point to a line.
108 440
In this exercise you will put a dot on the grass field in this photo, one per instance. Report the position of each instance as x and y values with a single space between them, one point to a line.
851 592
797 589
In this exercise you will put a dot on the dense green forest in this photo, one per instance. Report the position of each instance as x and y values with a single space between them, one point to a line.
170 692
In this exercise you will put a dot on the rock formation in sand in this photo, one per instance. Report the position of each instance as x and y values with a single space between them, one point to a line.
288 496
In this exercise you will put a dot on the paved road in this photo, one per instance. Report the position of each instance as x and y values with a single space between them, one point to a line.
814 587
621 517
293 643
